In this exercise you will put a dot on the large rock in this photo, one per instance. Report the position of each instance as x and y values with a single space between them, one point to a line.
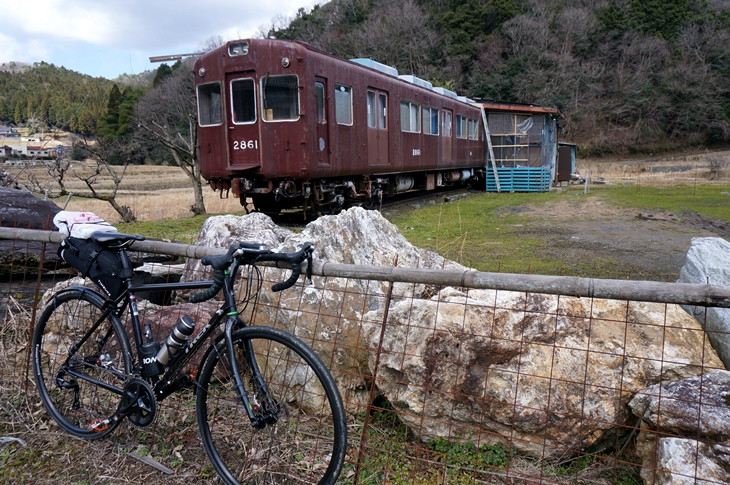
708 261
222 231
20 209
685 428
539 372
545 374
328 315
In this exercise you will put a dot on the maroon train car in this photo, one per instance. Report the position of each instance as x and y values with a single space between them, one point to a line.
286 125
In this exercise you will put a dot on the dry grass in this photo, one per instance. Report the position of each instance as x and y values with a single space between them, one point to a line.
163 192
153 192
683 169
34 450
159 204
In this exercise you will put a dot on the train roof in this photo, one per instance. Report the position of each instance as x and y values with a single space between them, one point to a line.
361 62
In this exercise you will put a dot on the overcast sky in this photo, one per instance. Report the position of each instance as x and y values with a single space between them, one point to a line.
111 37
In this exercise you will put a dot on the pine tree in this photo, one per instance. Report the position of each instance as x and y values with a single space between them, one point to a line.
110 125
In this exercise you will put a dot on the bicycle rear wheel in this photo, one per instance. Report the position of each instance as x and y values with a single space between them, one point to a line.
79 355
308 441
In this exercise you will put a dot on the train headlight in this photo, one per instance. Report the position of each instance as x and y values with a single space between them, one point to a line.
238 49
285 61
201 72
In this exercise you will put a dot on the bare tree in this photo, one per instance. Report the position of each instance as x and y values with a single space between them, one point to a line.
103 153
402 20
108 159
718 164
166 117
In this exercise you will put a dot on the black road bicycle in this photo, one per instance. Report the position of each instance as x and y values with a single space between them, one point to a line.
267 407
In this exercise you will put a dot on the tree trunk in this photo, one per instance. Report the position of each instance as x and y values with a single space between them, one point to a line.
125 212
199 206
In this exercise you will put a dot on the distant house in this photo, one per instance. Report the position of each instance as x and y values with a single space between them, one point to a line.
6 151
19 150
8 132
40 152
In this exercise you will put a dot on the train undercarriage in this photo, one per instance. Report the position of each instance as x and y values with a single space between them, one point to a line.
328 196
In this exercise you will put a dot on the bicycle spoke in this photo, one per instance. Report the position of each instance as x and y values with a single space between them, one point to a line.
299 446
80 361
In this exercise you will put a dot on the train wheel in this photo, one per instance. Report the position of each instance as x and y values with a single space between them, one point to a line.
375 202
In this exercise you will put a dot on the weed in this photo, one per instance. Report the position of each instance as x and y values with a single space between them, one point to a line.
470 456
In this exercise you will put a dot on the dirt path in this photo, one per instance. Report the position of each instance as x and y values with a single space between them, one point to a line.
643 245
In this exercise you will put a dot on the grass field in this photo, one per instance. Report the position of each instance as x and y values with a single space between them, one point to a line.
575 229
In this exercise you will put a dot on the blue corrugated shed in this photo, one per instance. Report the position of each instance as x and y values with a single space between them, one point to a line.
519 179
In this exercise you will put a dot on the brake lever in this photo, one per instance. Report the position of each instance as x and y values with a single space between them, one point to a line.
308 275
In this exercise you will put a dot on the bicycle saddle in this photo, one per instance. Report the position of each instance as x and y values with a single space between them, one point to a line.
108 238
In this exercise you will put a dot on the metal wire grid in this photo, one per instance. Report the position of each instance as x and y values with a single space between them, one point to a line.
392 441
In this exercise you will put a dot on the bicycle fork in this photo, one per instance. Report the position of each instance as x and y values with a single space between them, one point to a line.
262 410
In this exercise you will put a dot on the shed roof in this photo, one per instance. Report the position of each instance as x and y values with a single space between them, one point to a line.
519 107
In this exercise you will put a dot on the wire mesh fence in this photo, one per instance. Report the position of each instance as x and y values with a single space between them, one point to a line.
445 378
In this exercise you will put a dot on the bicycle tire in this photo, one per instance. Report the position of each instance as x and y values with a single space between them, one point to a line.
306 445
76 404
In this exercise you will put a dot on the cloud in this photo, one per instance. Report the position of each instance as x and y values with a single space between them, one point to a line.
53 30
72 20
141 23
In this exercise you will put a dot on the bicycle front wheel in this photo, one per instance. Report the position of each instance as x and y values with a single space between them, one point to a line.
305 440
80 357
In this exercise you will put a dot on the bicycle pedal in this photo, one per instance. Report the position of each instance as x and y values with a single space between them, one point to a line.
100 425
192 376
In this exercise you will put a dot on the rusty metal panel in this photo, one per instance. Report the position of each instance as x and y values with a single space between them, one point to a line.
251 144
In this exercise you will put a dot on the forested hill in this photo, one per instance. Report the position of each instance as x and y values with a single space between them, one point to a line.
44 93
627 74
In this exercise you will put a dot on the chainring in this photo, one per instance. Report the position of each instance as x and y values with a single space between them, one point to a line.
139 403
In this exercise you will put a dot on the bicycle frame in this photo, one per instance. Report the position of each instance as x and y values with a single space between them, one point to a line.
173 378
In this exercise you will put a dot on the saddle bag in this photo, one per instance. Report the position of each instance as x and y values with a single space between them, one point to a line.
93 261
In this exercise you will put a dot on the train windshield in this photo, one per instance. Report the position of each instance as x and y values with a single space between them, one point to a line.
243 101
209 104
280 98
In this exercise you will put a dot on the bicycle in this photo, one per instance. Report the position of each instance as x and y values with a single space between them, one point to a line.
268 409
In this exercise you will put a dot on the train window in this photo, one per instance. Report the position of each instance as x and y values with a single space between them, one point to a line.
280 98
383 110
209 104
446 121
460 126
473 129
410 121
319 94
243 101
343 104
372 110
431 121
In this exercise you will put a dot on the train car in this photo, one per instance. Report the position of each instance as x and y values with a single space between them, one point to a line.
286 125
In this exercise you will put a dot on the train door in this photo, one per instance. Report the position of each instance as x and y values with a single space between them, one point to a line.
323 146
378 141
447 143
243 134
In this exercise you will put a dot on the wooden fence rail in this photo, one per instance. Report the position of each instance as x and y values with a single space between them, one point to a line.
649 291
